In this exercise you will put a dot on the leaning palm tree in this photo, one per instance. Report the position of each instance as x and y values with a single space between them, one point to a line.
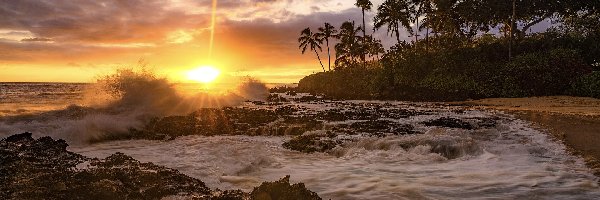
326 32
364 5
309 40
394 14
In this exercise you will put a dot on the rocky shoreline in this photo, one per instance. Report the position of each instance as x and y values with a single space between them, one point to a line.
43 169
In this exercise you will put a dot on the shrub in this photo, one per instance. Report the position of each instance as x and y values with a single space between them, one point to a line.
542 73
346 83
588 85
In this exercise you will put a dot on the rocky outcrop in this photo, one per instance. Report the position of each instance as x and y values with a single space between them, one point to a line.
311 143
449 123
44 169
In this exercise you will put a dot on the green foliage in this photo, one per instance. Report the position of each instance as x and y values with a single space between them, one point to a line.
544 65
459 60
542 73
588 86
355 82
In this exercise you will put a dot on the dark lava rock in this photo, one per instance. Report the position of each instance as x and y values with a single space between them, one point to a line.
449 123
286 110
338 115
283 89
283 190
206 121
332 115
400 113
310 143
308 98
253 117
276 98
44 169
381 128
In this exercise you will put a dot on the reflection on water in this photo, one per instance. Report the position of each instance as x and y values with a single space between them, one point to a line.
30 98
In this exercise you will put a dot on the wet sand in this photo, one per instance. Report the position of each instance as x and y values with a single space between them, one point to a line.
574 120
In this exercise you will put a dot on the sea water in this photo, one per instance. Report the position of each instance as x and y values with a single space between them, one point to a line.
511 160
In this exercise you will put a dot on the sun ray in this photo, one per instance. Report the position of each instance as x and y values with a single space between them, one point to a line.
212 28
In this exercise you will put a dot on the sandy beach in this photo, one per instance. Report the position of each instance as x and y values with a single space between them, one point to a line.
573 120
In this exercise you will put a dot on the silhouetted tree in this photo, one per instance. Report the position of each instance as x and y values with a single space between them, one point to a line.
373 47
326 32
364 5
394 14
309 40
350 47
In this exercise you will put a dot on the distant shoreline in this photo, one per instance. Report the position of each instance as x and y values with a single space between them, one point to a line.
573 120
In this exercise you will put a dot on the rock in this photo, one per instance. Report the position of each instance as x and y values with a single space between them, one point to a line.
44 169
276 98
283 190
309 98
400 113
20 138
449 123
310 143
382 128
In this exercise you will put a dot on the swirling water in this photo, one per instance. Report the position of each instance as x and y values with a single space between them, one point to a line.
510 160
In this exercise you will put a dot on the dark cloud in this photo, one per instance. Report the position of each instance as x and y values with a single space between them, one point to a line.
98 21
36 40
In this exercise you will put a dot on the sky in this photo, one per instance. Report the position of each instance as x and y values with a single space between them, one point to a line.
80 40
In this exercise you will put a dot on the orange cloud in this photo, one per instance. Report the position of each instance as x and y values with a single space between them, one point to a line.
253 37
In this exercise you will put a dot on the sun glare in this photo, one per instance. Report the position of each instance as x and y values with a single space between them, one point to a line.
205 74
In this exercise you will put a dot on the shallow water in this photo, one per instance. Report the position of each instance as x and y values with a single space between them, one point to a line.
508 161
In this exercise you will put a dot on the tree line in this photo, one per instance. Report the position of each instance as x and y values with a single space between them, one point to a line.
462 49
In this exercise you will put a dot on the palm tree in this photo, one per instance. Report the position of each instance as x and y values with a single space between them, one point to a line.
422 8
364 5
309 40
373 47
326 32
350 46
394 14
426 8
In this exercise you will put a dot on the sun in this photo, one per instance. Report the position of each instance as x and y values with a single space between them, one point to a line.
204 74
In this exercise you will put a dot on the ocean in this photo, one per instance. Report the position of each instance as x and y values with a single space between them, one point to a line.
384 149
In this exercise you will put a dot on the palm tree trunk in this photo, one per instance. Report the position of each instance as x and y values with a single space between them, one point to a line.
364 39
427 39
318 57
417 32
398 33
512 27
328 53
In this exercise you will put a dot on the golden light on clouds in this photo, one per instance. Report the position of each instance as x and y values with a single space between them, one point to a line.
243 38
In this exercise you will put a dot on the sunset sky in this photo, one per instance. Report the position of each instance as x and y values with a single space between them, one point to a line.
77 40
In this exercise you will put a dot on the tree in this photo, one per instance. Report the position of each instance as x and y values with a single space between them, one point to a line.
364 5
326 32
394 14
373 47
310 40
350 47
426 8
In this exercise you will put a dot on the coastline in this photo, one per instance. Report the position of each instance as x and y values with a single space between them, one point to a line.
573 120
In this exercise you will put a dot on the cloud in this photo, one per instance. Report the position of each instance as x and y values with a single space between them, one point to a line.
96 21
36 39
250 34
